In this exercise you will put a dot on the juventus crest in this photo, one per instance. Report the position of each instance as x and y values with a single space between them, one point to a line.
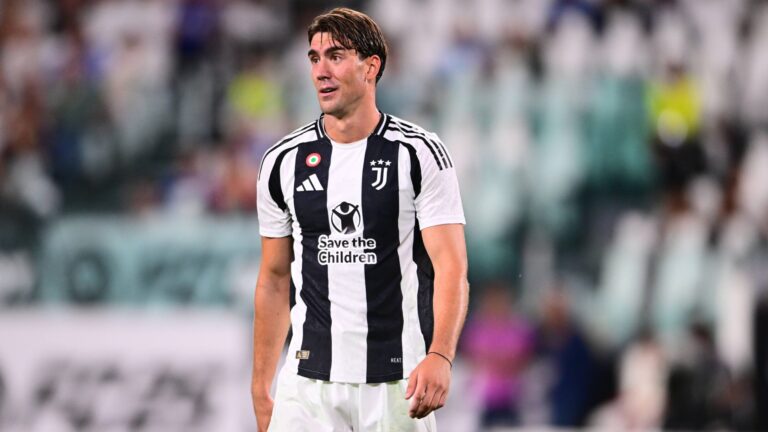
381 168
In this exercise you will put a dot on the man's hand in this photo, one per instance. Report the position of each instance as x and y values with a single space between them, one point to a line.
262 406
428 385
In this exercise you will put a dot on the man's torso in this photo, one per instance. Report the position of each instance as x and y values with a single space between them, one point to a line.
361 278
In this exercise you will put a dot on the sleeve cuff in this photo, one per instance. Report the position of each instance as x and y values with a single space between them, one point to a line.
444 220
266 232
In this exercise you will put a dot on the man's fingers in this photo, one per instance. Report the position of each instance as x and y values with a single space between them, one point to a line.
442 400
421 403
412 381
426 402
418 402
431 400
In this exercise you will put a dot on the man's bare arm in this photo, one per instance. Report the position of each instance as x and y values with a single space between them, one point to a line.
270 322
447 249
430 380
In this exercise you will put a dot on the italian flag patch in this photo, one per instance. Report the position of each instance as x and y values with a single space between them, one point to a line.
313 160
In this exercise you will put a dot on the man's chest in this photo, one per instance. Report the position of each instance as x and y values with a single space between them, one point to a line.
343 191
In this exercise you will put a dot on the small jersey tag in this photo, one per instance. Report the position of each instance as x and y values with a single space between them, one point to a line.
302 355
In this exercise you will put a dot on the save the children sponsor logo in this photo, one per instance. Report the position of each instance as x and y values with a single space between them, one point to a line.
341 247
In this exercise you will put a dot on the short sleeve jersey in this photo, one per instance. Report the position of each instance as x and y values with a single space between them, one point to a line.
361 280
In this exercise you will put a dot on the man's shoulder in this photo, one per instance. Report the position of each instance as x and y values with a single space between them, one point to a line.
424 142
406 127
306 133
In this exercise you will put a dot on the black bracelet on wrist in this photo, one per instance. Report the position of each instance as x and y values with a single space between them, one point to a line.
446 358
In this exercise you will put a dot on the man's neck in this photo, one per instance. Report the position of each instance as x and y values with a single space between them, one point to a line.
354 126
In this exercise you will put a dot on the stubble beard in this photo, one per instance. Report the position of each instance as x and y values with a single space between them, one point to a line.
340 108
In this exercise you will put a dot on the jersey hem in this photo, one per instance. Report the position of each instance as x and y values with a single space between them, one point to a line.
306 373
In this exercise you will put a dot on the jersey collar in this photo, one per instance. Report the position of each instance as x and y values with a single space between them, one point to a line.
379 130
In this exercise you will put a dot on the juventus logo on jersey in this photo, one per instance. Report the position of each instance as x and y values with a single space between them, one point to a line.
310 184
381 168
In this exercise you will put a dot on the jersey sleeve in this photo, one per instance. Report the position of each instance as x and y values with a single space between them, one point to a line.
439 200
273 220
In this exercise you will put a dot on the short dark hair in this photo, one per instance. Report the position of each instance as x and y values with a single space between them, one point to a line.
352 30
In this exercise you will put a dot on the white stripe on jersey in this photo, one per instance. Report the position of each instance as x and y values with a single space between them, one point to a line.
346 282
413 341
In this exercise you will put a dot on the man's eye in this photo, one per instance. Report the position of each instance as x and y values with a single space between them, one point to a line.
313 60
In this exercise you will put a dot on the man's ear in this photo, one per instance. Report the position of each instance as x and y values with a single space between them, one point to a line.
373 65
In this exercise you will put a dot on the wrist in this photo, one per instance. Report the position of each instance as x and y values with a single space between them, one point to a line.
444 357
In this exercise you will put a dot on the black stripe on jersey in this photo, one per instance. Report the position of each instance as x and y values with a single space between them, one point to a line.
381 210
381 126
319 127
274 183
426 277
415 168
295 134
312 217
436 143
395 127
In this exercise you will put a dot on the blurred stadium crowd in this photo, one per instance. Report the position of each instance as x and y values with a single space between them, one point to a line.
613 157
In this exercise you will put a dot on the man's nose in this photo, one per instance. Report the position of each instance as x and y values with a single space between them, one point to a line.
321 70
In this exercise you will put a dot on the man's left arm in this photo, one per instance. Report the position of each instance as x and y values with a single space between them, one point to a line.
430 381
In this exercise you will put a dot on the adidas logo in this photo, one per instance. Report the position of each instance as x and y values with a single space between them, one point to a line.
310 184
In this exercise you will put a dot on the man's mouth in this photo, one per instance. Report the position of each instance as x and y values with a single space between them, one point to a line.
328 90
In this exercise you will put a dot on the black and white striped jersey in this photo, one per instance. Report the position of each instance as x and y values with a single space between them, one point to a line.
360 277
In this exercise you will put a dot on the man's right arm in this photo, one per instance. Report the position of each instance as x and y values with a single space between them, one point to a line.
270 322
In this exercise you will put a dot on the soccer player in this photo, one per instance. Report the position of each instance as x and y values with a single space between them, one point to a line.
363 254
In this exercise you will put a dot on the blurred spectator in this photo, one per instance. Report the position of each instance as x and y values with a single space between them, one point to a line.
561 8
675 109
753 182
197 81
498 344
81 139
761 362
136 96
699 388
234 188
26 178
564 350
188 187
255 96
642 389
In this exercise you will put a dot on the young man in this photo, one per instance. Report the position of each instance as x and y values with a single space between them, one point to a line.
360 217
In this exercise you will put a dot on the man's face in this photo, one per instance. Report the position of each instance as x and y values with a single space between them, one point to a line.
339 75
